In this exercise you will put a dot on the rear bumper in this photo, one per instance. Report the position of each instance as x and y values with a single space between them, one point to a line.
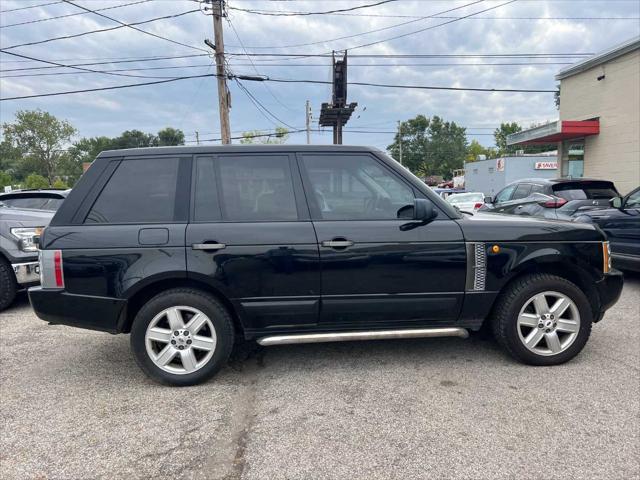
609 290
27 273
82 311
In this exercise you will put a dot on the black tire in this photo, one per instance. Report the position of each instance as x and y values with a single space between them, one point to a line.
512 300
206 303
8 284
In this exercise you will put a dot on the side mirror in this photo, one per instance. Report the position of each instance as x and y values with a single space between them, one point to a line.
616 202
488 200
423 210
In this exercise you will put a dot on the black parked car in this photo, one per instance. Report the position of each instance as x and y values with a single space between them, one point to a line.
621 223
36 199
561 198
189 247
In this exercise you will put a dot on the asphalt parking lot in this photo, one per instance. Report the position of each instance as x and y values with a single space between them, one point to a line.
75 406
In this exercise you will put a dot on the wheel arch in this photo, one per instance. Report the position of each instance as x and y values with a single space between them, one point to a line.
142 296
563 268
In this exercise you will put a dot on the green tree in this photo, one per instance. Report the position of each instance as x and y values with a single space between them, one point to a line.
170 137
500 135
475 149
280 136
36 181
41 138
10 156
135 139
60 184
430 146
5 179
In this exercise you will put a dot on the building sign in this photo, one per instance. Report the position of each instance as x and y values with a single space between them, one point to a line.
546 166
500 164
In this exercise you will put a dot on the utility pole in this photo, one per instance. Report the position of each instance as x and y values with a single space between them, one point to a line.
197 137
217 8
400 139
308 117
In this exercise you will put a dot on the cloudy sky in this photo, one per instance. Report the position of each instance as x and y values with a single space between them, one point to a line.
479 44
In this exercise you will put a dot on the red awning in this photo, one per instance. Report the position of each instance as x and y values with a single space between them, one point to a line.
555 132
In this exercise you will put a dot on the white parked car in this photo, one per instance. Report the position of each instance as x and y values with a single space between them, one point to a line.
467 202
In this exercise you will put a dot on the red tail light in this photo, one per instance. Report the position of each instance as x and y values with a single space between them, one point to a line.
556 202
51 269
477 206
57 268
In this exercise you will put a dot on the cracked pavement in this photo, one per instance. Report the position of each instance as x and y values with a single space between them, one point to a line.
73 404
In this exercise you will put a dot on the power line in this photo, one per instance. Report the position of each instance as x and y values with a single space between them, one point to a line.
259 105
132 27
206 65
73 14
372 31
253 65
30 6
282 80
74 67
75 35
289 14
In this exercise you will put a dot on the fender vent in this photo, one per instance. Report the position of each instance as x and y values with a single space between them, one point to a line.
476 266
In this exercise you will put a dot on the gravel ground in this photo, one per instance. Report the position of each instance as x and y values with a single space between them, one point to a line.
75 406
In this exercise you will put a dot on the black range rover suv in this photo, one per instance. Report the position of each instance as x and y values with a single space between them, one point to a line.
188 248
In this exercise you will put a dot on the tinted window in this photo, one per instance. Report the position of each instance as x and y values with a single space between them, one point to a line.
355 188
522 191
633 201
257 188
139 191
537 189
585 190
206 207
505 194
39 203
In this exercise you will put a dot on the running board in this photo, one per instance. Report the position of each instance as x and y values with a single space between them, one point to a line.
367 335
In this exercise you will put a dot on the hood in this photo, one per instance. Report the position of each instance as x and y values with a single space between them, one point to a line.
22 217
496 227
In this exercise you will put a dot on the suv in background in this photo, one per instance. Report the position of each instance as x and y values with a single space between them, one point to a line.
560 198
621 223
19 266
187 248
49 199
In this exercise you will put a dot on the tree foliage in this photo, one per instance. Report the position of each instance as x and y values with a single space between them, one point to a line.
5 179
475 149
40 138
500 134
430 146
170 137
256 136
36 181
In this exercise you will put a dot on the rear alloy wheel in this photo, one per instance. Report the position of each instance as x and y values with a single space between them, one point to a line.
182 337
180 340
542 319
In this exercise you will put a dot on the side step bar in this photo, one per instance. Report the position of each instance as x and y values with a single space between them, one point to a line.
366 335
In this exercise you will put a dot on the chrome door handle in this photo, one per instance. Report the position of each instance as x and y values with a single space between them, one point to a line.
337 243
208 246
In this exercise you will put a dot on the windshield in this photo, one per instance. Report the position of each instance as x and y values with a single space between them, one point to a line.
474 197
585 190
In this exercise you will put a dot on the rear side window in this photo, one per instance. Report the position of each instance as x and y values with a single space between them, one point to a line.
256 188
139 191
585 190
522 191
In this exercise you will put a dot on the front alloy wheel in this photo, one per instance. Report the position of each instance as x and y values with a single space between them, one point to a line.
548 323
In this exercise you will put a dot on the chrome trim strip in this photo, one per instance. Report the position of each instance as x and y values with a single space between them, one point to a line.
364 335
476 267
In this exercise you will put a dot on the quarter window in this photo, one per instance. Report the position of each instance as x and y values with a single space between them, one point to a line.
139 191
522 191
257 188
354 187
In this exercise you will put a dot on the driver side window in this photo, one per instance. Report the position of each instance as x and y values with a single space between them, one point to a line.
354 187
505 194
633 201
